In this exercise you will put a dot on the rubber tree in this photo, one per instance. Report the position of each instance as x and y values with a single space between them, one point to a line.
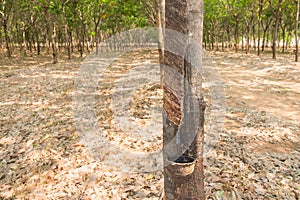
296 32
277 14
287 22
236 10
260 8
183 105
6 8
266 24
49 9
160 22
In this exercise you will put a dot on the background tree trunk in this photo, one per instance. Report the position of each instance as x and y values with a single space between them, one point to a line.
259 26
160 21
275 31
53 44
7 40
296 33
236 35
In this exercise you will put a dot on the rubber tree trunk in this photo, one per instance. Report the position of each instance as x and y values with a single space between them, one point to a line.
160 20
67 35
223 35
259 26
236 35
253 37
7 39
283 38
183 113
265 33
97 22
53 44
296 33
247 48
275 32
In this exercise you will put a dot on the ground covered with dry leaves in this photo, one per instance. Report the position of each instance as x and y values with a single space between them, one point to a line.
43 155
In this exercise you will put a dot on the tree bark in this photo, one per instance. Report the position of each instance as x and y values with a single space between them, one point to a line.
183 113
211 45
160 21
275 38
253 37
228 45
38 43
67 31
6 15
265 33
296 33
259 25
283 38
97 22
223 35
53 43
275 32
236 35
248 39
7 40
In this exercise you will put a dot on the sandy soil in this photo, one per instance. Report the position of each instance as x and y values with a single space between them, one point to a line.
262 85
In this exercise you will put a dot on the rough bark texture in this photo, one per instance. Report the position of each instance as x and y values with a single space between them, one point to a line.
183 114
296 33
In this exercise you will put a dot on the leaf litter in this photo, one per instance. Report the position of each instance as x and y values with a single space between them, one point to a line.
42 156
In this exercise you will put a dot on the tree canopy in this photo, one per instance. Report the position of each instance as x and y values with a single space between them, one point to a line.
33 26
241 24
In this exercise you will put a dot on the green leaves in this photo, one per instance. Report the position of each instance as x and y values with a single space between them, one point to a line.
238 16
120 15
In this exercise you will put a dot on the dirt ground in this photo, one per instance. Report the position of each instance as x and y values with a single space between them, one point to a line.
43 155
270 87
261 131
